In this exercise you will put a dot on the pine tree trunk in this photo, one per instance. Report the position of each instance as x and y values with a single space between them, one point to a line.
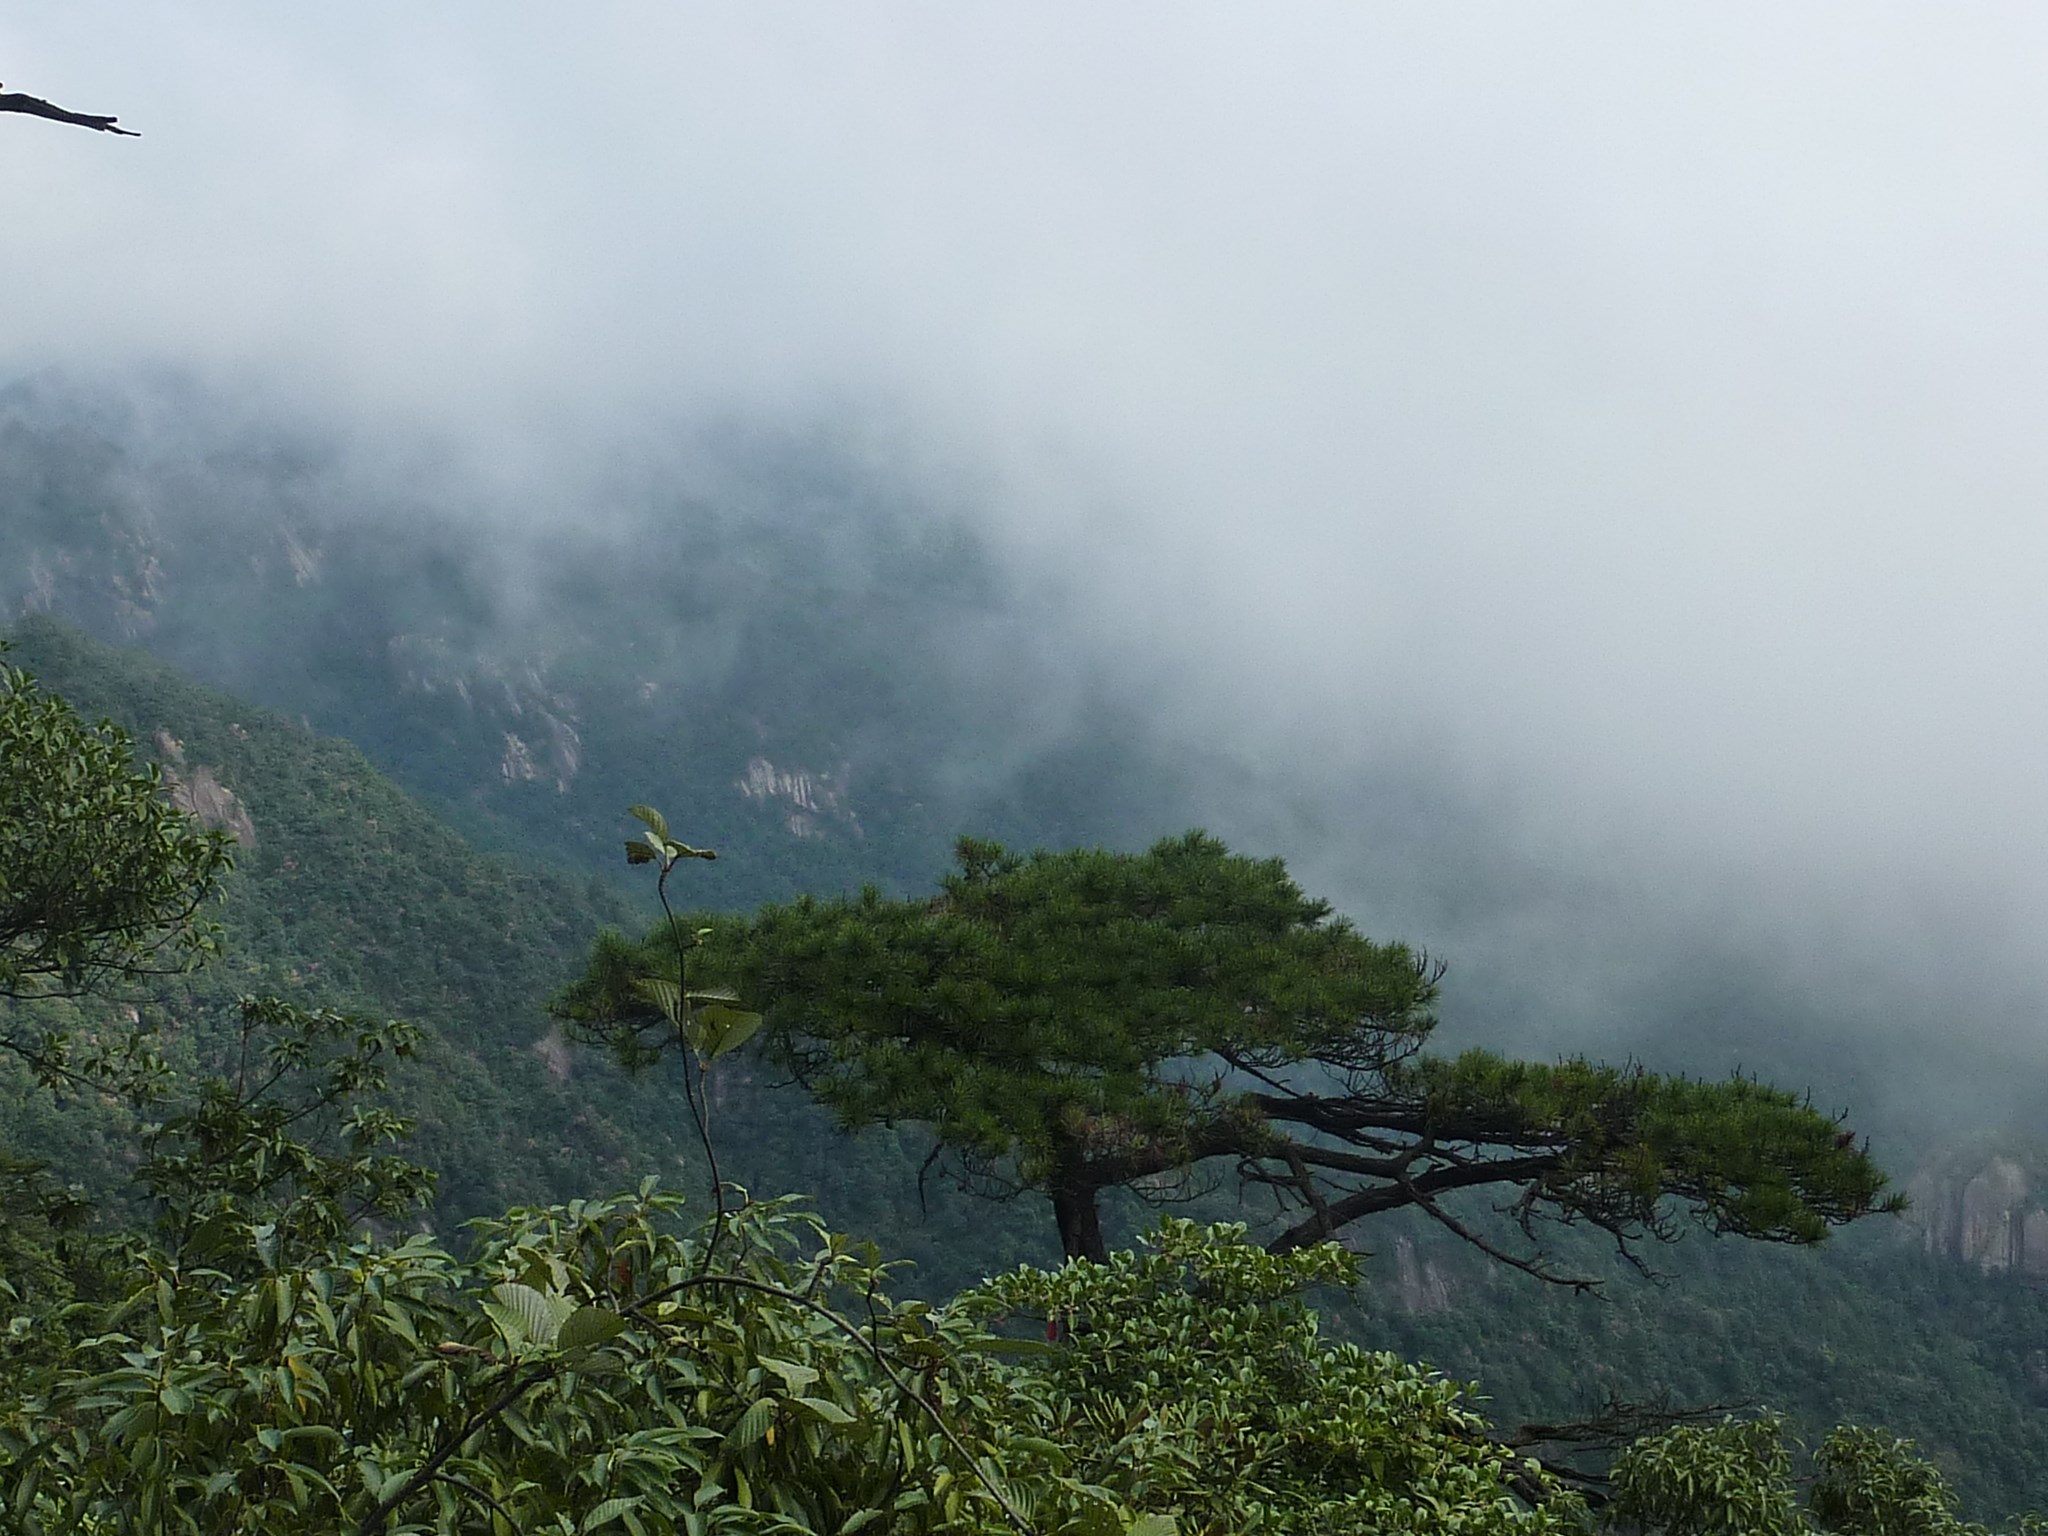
1080 1223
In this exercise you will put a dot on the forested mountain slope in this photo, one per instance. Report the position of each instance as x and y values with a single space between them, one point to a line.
827 691
801 648
347 893
837 681
806 649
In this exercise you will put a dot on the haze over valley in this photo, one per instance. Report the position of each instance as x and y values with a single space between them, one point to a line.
1568 484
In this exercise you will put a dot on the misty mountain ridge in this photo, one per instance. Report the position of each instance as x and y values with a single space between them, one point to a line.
790 661
818 734
348 893
779 637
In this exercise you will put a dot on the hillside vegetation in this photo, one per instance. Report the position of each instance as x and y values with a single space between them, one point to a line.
351 895
810 713
272 1352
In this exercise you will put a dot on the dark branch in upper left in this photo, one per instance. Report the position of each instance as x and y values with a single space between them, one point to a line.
35 106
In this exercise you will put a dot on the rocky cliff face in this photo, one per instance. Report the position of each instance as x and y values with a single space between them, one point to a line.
537 721
196 789
1421 1288
1988 1210
747 645
812 801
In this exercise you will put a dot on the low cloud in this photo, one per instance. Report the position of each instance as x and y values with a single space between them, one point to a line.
1606 439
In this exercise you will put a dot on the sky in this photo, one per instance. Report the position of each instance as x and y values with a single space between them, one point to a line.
1627 419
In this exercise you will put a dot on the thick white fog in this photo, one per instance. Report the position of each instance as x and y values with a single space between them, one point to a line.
1627 422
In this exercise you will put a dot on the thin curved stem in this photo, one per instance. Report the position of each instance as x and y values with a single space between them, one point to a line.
466 1486
699 1116
430 1469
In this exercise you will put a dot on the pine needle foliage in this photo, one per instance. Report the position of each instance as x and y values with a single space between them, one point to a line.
1074 1022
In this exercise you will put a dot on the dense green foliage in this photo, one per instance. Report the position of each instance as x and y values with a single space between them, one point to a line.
1191 1377
353 896
268 1367
1735 1479
263 1363
100 877
1091 1020
404 917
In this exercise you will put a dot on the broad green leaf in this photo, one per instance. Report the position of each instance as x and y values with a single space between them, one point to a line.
510 1325
605 1513
664 994
754 1423
588 1327
999 1345
649 818
825 1409
795 1377
725 1029
1153 1525
526 1316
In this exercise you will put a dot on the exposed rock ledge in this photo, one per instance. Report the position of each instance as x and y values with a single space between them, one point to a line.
810 799
198 791
1985 1210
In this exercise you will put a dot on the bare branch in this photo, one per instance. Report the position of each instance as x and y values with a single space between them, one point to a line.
35 106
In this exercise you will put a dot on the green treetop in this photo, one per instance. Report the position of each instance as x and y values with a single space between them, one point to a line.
1083 1021
101 877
